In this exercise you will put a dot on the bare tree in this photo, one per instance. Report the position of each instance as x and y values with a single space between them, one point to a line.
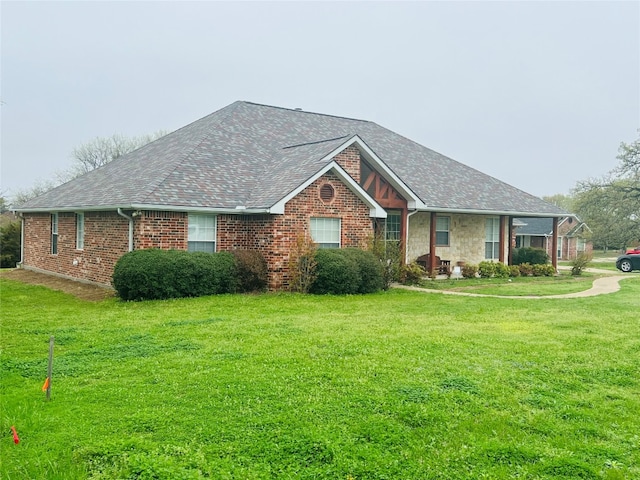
102 150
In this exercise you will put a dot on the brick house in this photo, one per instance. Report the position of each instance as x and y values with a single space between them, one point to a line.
252 176
572 237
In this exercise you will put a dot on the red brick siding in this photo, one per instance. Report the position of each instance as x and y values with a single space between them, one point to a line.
164 230
105 240
349 160
106 234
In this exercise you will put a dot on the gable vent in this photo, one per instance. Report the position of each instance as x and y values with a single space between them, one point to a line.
326 193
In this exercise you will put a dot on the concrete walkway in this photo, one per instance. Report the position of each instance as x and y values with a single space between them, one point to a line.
603 285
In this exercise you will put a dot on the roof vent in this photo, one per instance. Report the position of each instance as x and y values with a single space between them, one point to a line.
298 109
326 193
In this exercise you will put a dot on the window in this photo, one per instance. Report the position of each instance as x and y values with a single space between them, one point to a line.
581 245
392 226
325 232
202 233
54 233
79 231
442 231
492 238
560 247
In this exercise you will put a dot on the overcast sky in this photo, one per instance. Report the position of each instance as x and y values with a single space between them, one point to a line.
537 94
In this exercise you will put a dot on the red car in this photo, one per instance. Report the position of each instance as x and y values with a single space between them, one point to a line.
634 251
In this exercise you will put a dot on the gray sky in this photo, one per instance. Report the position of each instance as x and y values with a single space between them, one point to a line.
537 94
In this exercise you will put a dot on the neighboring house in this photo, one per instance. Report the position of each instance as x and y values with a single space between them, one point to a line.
255 177
572 236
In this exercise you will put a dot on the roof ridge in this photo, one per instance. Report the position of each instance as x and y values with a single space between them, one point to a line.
299 110
318 141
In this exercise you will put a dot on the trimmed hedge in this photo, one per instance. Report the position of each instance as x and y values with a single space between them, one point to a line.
346 271
154 274
533 256
252 271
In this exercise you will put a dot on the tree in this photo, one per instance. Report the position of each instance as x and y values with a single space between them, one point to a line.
102 150
560 200
611 205
10 244
87 157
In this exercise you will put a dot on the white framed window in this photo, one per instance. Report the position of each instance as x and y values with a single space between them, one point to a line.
392 226
80 231
442 231
54 233
492 238
202 233
325 232
581 244
560 247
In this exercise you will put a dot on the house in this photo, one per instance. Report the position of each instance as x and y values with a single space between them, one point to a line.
253 176
572 236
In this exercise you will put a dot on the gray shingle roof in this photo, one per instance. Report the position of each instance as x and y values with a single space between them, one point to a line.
535 226
253 155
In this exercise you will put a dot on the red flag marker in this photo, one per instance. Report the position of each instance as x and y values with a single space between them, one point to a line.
46 385
16 439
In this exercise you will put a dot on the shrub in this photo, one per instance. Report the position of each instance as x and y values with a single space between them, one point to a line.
581 262
336 273
10 245
486 269
543 270
389 254
502 270
252 271
370 270
302 264
159 274
514 271
534 256
411 274
526 269
469 271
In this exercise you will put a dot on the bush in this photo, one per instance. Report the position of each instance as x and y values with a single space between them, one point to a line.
533 256
486 269
581 262
159 274
302 264
526 269
411 274
10 245
502 270
389 254
543 270
514 271
336 273
370 269
252 271
469 271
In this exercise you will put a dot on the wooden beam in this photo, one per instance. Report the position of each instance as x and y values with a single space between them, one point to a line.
510 249
501 252
554 244
432 242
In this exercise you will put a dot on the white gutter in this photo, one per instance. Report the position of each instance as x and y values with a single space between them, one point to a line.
21 238
122 214
141 206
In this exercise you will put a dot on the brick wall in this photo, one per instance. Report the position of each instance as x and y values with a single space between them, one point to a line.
349 160
107 233
105 240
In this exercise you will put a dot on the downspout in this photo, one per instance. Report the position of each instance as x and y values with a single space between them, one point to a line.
406 243
21 217
122 214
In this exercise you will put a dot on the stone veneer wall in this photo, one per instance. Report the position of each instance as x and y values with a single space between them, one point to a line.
466 237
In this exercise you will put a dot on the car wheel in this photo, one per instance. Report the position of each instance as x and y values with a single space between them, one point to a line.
625 265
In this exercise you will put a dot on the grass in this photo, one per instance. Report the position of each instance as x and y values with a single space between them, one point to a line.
518 286
396 385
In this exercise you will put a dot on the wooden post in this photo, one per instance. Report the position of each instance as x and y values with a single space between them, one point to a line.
432 243
554 244
50 367
501 242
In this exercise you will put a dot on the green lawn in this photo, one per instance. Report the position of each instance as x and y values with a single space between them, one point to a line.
396 385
